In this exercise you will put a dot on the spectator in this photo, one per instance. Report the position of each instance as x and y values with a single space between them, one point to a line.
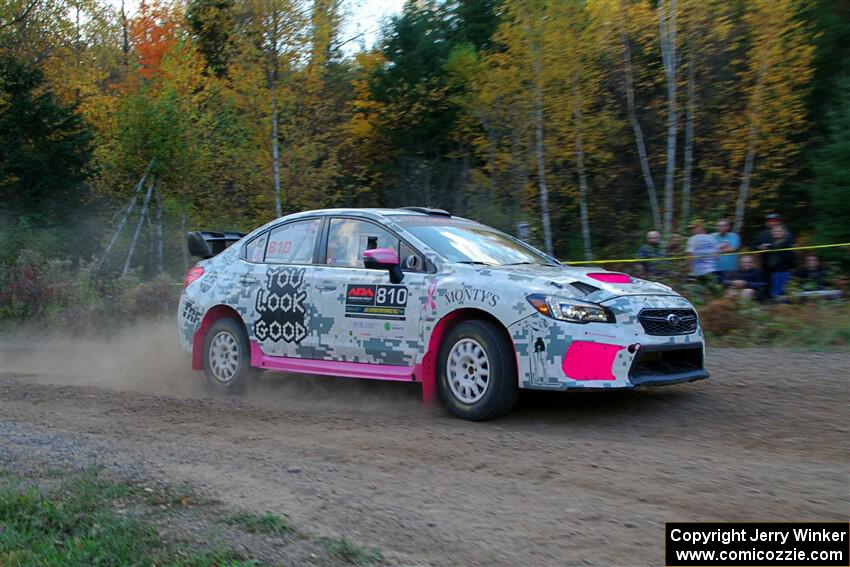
779 264
674 247
764 240
748 281
811 276
771 220
650 249
704 248
727 242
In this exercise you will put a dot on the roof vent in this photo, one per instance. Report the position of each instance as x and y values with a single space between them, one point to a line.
428 211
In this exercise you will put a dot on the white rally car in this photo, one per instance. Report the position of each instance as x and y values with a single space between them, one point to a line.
418 295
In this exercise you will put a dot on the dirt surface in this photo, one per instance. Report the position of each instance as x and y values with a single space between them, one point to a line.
573 479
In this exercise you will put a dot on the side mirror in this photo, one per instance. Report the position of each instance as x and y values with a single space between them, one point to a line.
198 246
384 259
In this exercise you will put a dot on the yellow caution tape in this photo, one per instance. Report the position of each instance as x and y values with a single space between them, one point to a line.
669 258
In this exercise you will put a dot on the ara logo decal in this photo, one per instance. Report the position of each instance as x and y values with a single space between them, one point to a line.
360 294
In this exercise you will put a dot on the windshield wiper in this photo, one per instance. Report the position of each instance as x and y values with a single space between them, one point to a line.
475 262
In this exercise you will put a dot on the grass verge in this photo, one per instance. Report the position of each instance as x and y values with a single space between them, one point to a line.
266 523
80 519
350 552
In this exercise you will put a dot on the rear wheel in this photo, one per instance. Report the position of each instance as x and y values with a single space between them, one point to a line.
477 373
227 358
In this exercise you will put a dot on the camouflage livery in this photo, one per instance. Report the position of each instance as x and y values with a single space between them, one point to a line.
331 313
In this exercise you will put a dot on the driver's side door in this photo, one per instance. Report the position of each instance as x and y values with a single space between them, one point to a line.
364 317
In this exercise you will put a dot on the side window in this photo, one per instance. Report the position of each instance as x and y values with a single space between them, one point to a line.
256 248
293 242
348 238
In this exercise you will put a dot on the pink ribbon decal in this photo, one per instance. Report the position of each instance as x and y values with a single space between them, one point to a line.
432 293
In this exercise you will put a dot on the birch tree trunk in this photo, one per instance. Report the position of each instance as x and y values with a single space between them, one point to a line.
667 29
750 157
687 172
278 206
130 206
142 215
582 178
159 245
746 177
540 156
638 132
125 40
274 39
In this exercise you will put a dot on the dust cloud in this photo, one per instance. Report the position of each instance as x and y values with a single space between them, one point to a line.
146 357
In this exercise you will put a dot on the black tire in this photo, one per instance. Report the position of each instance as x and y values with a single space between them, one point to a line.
239 373
463 344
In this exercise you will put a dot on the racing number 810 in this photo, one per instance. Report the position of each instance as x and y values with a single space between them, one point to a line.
276 247
391 296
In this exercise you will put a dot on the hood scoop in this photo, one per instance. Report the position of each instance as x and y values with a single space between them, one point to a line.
586 289
581 287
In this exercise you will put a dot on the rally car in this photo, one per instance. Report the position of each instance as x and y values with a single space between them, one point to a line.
416 294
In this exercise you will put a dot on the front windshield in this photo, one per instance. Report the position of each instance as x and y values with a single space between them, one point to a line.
467 242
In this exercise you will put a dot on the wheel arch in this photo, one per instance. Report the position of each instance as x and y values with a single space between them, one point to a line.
427 369
212 315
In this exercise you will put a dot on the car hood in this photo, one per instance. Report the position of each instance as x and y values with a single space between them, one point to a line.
576 282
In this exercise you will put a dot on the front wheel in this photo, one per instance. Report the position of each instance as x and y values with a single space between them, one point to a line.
227 358
477 372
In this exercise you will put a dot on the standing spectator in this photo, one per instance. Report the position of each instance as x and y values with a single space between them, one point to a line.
650 249
811 276
704 248
727 242
779 264
764 239
748 281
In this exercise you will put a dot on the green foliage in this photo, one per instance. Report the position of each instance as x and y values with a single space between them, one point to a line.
266 523
35 286
830 164
350 552
212 22
815 326
77 525
45 147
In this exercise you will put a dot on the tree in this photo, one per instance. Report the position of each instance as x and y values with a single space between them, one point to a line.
774 83
830 187
45 147
212 23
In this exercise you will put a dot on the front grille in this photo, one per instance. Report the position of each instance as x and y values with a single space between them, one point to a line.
660 322
657 363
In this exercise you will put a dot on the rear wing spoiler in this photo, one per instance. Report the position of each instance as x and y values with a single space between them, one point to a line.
209 243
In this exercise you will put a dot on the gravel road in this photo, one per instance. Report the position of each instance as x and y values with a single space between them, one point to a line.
574 479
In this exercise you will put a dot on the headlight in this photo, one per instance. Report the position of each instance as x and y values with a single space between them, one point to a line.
572 310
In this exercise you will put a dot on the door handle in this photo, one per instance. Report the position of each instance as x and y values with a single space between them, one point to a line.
245 280
325 286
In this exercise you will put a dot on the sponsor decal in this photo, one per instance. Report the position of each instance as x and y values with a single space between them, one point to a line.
430 299
280 306
376 301
191 315
475 294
